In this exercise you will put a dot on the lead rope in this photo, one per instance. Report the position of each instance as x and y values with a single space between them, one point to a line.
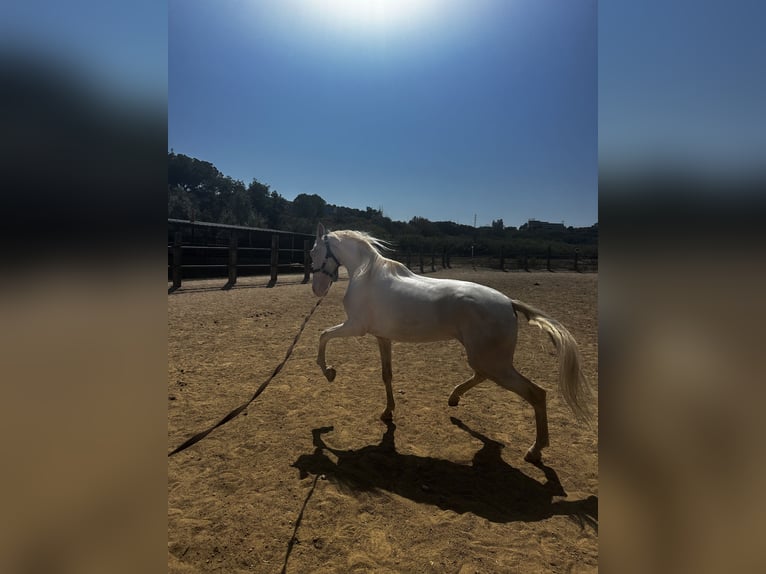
199 436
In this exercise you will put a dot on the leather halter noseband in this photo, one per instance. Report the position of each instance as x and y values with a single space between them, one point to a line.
333 275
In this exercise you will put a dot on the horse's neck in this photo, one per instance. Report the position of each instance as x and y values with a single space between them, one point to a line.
354 255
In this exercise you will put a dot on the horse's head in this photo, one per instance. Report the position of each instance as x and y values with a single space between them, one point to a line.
324 263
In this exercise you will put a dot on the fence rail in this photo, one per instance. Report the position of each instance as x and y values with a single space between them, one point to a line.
209 250
230 259
204 250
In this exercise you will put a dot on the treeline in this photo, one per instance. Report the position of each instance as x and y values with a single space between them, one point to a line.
197 191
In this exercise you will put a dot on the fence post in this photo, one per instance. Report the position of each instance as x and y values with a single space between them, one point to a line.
433 257
577 252
548 265
274 259
420 259
306 261
526 262
502 259
232 261
408 258
449 263
177 250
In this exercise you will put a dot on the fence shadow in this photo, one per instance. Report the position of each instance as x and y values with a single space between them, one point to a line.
489 487
201 288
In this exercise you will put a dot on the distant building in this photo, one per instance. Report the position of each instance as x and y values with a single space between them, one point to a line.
543 225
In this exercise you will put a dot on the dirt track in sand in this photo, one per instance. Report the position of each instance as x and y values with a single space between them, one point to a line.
308 479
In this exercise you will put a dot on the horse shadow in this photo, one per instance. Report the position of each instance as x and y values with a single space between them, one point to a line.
489 487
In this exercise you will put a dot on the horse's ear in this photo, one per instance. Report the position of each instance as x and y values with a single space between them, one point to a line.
320 230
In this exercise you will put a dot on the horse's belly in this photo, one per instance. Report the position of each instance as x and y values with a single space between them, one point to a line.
409 321
408 330
418 321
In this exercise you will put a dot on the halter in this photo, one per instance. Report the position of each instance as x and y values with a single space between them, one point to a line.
328 255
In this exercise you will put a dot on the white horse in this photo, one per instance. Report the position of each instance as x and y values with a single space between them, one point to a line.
387 300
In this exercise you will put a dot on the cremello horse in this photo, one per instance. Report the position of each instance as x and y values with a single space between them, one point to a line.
387 300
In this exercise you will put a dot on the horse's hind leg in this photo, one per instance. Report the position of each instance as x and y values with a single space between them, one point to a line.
535 396
459 390
385 360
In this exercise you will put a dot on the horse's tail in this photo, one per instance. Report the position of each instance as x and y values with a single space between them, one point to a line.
572 383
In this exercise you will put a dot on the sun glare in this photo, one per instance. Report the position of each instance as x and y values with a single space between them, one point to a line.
372 15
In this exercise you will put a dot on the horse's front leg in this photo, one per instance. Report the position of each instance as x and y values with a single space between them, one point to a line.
385 361
343 330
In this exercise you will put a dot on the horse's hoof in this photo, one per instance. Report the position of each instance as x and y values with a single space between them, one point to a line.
330 374
387 416
533 455
453 401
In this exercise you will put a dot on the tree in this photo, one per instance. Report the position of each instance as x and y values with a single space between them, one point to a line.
208 189
259 196
423 226
180 203
276 210
309 206
190 172
239 210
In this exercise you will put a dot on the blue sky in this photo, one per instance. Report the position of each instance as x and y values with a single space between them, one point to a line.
436 109
477 107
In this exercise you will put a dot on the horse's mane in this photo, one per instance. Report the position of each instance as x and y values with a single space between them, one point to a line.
377 247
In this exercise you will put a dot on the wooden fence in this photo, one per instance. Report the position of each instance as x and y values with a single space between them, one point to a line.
506 259
210 250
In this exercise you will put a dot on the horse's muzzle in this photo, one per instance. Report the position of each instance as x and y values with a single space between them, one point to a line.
320 285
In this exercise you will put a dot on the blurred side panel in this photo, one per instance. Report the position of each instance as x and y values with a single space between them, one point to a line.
83 344
681 309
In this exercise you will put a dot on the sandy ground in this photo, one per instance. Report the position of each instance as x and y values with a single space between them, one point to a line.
308 479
